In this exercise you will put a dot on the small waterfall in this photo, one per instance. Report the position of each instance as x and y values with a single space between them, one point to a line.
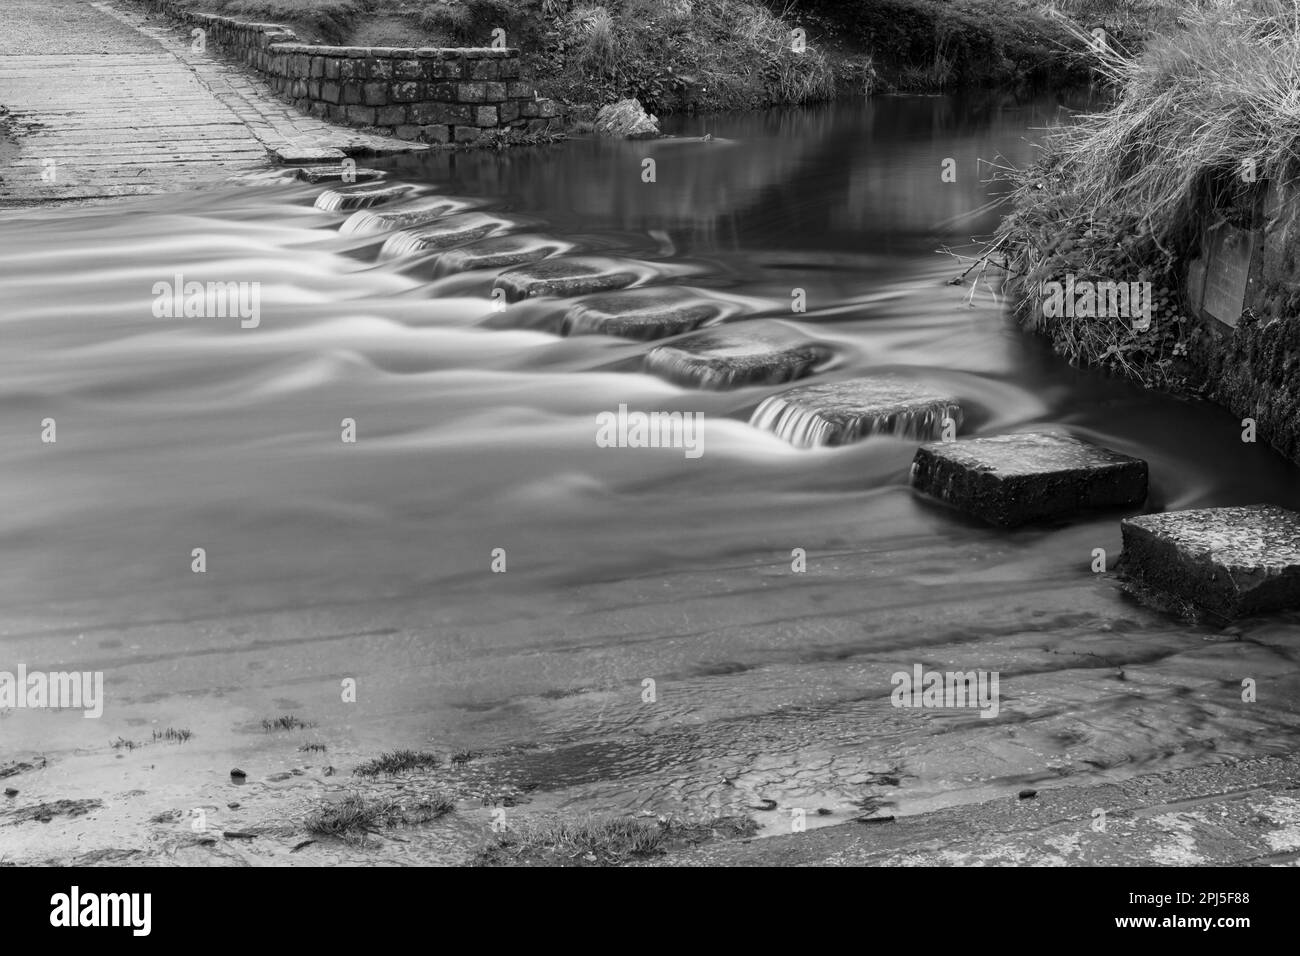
840 413
447 232
367 223
342 200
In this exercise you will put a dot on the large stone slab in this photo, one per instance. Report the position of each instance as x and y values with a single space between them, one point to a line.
567 275
838 413
643 314
500 252
1011 480
425 212
359 197
337 174
733 358
1228 561
443 234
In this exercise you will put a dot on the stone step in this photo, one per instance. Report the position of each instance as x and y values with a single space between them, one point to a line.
1015 479
501 252
444 233
567 276
359 197
336 174
425 212
1230 562
720 359
839 413
644 314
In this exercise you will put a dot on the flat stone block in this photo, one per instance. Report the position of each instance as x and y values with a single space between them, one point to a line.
1011 480
574 275
733 358
294 154
359 197
641 314
335 174
501 252
1231 562
449 231
839 413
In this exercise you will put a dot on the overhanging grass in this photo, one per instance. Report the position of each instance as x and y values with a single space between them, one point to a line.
1204 116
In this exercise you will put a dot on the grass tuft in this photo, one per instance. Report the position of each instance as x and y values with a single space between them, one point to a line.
355 814
284 722
398 761
603 841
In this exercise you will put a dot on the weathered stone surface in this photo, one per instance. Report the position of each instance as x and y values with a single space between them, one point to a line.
415 215
1228 561
294 153
1011 480
571 275
361 197
451 231
641 314
626 119
500 252
733 358
838 413
337 174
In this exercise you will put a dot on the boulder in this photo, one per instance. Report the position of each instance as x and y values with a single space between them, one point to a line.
626 119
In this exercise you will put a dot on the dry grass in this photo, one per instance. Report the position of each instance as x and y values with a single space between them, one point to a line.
355 814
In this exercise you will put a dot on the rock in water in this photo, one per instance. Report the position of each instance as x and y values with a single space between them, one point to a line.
732 358
359 197
336 174
838 413
642 314
567 275
1228 561
626 119
501 252
364 222
1011 480
444 233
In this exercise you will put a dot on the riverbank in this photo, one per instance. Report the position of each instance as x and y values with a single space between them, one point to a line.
1181 187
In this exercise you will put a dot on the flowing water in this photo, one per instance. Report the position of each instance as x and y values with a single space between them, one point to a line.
475 431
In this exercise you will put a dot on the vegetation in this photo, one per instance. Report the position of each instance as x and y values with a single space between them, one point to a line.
602 841
398 761
284 722
1205 116
356 814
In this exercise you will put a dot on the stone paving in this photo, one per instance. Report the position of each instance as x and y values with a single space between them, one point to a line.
98 100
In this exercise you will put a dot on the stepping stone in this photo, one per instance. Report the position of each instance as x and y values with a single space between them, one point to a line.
446 232
569 275
1228 561
1011 480
733 358
360 197
335 174
838 413
642 314
292 154
365 222
500 252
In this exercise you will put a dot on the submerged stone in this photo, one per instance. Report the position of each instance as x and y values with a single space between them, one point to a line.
733 358
336 174
366 222
1228 561
838 413
501 252
565 276
444 233
1011 480
360 197
642 314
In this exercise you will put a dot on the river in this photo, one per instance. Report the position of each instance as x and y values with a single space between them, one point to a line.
372 560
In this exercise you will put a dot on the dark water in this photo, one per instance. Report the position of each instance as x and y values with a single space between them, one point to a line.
476 432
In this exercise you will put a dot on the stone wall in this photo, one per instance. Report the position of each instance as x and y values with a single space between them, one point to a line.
431 95
1250 356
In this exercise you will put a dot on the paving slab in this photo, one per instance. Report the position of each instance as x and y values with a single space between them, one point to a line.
1012 480
1231 562
839 413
